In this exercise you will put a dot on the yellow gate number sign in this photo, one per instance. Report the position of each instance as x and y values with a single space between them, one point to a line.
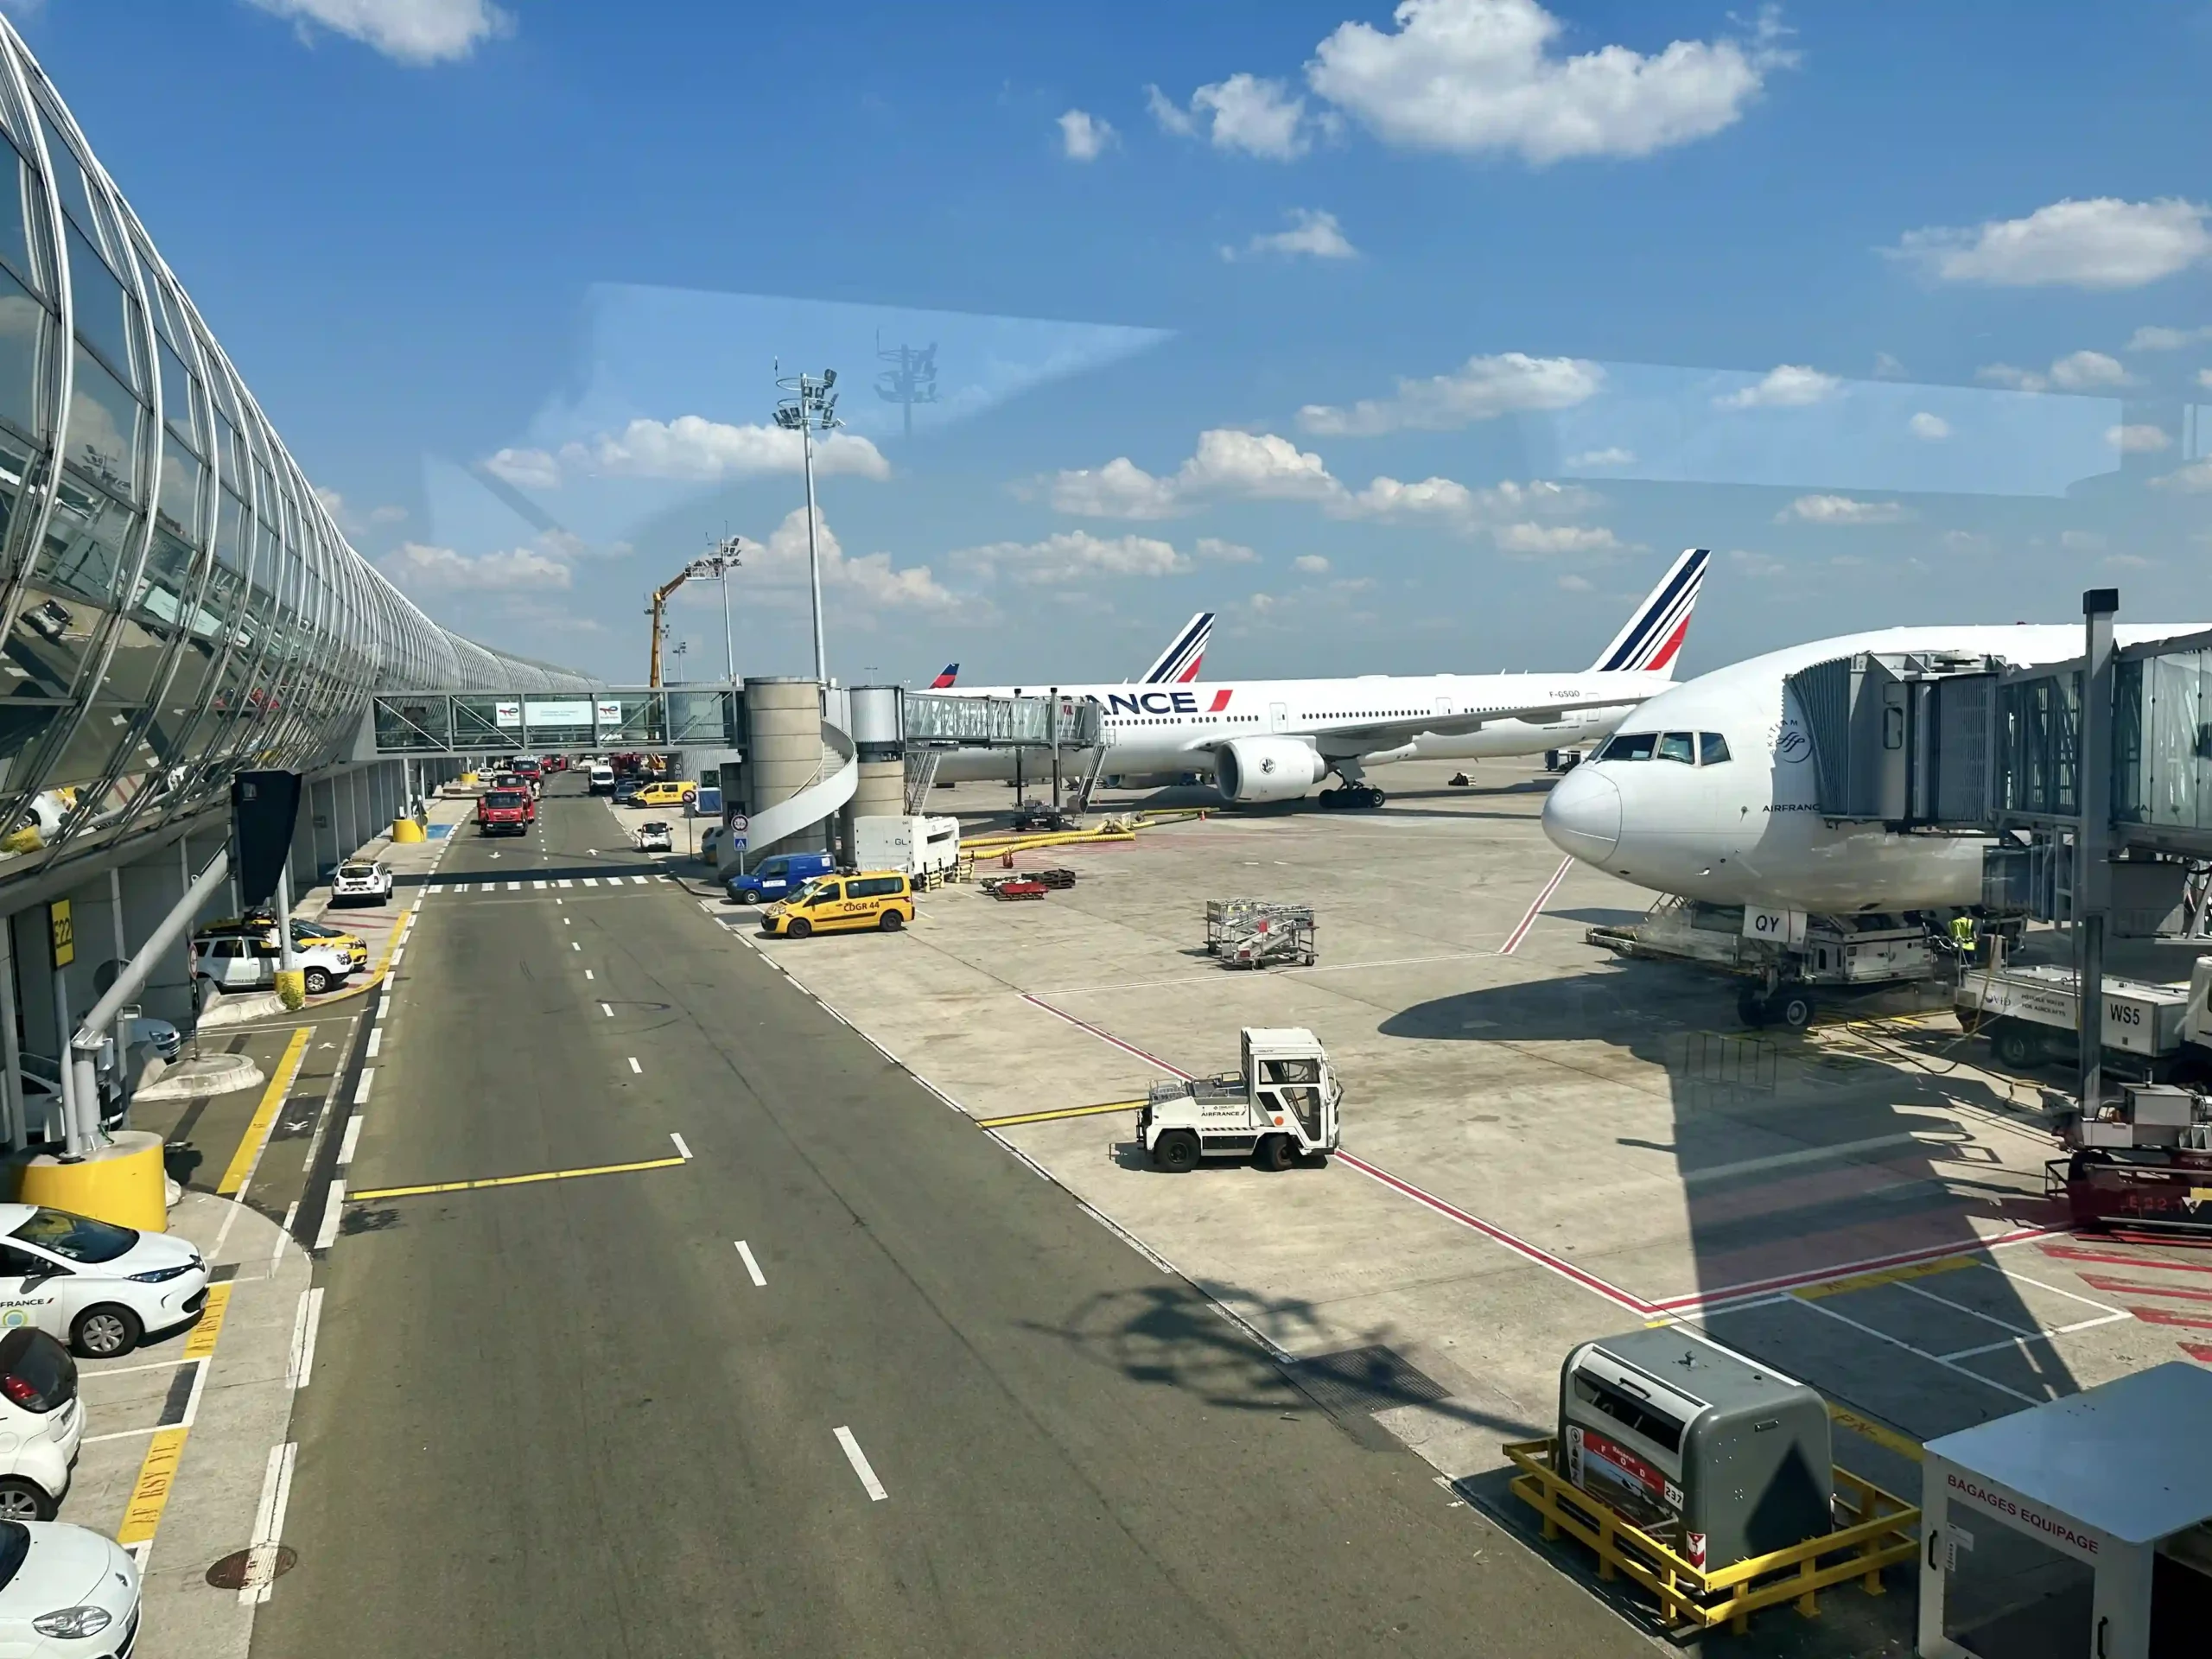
65 933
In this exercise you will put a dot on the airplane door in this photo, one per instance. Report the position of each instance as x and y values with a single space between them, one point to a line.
1278 717
1443 708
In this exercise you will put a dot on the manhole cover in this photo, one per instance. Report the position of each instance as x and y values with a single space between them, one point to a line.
229 1574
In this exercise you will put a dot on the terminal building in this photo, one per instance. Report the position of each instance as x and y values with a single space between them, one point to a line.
177 602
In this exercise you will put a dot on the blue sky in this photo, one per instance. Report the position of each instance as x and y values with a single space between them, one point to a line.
1413 341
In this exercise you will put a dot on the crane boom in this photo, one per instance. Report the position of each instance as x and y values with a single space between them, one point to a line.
659 604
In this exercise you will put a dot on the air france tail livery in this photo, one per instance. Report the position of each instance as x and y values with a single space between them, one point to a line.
1177 666
1273 739
1709 791
1179 663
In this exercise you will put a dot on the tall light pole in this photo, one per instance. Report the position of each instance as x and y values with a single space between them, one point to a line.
725 558
809 406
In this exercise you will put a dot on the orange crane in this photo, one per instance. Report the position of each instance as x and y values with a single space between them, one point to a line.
719 563
659 604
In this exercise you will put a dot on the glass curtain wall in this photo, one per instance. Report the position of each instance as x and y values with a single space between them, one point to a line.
175 602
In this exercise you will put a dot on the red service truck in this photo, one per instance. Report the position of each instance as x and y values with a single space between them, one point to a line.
503 812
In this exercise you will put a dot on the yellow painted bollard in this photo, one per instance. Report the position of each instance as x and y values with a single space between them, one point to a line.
405 829
124 1183
292 987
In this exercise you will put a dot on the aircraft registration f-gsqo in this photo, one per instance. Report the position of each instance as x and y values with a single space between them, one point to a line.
1710 792
1273 739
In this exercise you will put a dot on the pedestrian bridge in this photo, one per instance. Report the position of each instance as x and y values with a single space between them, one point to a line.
472 722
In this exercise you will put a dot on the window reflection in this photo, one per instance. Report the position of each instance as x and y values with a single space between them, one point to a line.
15 240
22 325
99 308
103 436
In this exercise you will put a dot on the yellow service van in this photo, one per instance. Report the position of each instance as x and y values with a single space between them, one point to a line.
883 899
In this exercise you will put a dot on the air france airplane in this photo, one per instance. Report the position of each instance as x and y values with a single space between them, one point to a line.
1273 739
1709 790
1177 666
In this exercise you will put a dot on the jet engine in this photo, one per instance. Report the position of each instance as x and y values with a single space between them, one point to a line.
1252 769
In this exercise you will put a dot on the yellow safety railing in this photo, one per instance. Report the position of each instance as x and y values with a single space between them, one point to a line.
1879 1533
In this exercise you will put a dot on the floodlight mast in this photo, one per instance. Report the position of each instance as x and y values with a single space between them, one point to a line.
811 406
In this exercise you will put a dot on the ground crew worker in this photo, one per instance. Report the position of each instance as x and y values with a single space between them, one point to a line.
1962 935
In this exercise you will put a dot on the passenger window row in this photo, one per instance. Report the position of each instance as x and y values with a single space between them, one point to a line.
1691 749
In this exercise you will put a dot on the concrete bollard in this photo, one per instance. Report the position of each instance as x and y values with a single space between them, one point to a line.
292 988
405 829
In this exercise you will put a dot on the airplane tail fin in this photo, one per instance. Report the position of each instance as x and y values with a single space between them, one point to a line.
1653 639
1179 663
952 673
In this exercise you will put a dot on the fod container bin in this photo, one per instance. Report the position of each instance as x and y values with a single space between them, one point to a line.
1722 1459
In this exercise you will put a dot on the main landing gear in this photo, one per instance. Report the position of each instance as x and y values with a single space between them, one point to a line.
1358 794
1353 796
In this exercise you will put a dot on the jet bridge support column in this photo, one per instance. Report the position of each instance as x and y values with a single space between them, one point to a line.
2092 871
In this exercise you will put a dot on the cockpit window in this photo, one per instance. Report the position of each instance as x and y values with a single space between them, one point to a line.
1712 748
1678 746
1629 746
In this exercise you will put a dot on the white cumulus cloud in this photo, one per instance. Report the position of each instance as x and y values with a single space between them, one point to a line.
1478 76
1591 459
1312 564
412 31
1312 233
2076 371
2152 338
2135 440
426 569
1245 112
1786 385
689 448
2103 242
1481 388
870 580
1216 550
1841 510
1084 136
1073 556
1554 538
1256 465
2194 479
1932 427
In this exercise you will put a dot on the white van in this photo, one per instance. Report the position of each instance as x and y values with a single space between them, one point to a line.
602 778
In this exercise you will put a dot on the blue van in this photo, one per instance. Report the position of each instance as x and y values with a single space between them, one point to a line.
778 877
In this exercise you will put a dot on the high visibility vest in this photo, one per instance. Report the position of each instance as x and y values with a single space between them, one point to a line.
1962 929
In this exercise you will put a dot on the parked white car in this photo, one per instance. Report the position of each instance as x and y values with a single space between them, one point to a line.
65 1591
101 1289
41 1425
242 965
360 880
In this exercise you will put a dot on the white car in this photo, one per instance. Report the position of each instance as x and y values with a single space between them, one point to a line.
359 880
66 1590
42 1424
653 837
234 963
99 1287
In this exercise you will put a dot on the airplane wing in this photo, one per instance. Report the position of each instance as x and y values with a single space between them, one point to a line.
1372 737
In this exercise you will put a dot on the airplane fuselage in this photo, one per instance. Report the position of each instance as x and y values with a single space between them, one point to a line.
1747 829
1165 729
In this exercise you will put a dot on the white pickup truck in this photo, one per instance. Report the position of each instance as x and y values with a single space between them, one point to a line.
1281 1107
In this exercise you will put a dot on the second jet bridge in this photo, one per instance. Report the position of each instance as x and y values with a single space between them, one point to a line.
1905 739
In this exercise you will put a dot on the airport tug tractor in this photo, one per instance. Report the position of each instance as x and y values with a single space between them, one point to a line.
1280 1109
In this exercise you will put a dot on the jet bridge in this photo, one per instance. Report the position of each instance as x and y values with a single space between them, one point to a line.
1905 739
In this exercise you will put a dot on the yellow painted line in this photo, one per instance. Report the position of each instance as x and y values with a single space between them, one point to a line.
1883 1276
156 1475
364 1196
1065 1111
200 1344
264 1115
1883 1435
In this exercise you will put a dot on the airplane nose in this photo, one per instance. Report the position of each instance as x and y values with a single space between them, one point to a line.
1583 816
